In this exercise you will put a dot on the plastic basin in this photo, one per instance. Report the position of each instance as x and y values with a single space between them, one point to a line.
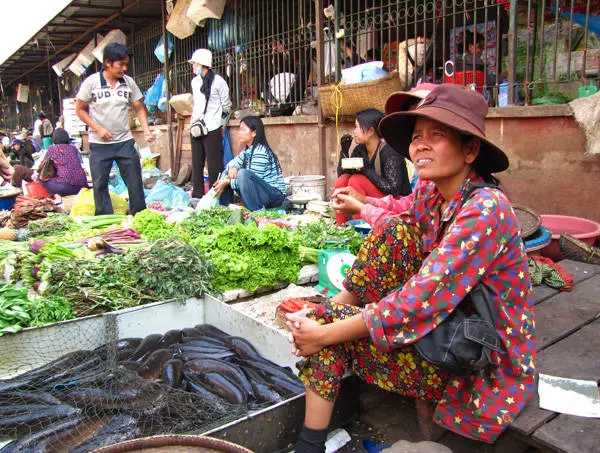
585 230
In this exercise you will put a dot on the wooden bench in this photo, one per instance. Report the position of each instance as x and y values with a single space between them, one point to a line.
568 335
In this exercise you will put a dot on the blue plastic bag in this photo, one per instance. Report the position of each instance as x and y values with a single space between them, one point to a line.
170 196
154 93
227 153
159 50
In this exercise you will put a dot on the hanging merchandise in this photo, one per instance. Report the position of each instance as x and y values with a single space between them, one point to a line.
200 10
159 50
154 93
330 53
179 24
22 93
221 33
84 58
59 67
113 36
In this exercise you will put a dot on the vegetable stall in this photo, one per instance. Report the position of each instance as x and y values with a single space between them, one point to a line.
64 267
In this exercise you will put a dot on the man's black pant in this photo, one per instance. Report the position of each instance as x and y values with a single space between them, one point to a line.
128 161
210 149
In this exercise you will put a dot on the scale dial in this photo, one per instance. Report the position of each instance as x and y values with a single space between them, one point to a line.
337 267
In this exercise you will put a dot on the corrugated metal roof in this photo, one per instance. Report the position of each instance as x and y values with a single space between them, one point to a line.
71 30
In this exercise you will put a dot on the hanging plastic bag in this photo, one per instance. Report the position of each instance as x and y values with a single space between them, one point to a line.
227 153
162 101
170 196
159 50
152 96
209 200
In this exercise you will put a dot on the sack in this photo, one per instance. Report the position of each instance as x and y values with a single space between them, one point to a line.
198 129
47 170
463 344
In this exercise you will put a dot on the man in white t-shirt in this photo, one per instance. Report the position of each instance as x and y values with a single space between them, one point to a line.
103 103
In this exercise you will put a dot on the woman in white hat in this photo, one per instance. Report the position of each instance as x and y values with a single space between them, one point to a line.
211 106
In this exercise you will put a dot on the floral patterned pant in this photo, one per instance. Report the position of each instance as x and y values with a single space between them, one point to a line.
390 255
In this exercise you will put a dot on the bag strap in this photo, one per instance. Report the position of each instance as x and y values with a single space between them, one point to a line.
479 295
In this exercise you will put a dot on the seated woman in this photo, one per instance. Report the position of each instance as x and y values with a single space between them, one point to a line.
70 177
21 154
414 270
384 170
255 173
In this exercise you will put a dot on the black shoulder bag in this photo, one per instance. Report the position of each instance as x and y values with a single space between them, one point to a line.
462 344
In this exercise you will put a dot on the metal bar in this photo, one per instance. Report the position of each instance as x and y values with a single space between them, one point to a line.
338 67
320 81
512 50
570 39
528 61
541 30
556 16
80 37
585 43
167 72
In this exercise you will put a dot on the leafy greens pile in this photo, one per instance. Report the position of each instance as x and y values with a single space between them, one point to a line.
249 257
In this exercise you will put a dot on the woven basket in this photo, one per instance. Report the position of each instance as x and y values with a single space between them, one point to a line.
174 443
529 221
576 250
356 97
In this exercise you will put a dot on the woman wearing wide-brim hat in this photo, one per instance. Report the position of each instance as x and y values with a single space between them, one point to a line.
415 269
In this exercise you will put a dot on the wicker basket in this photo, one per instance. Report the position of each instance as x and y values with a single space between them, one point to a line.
529 221
174 443
356 97
574 249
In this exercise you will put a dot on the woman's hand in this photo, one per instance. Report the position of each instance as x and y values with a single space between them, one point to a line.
233 171
351 192
306 336
221 185
347 205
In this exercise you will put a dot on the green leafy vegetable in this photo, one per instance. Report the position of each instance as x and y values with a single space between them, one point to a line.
320 234
151 225
251 257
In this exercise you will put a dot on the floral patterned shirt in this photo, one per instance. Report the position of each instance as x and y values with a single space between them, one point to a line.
68 166
478 241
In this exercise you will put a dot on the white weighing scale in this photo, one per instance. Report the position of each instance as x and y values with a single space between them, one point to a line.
334 265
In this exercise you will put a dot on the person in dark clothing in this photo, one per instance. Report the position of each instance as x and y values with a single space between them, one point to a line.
21 154
383 170
474 46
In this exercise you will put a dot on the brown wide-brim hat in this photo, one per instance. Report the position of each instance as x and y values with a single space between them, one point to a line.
461 109
402 100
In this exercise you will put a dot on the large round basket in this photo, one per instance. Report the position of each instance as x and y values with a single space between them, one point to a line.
528 220
355 97
174 443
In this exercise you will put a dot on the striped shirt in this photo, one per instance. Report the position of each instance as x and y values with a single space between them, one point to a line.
261 161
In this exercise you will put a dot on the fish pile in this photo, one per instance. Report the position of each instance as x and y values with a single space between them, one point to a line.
163 383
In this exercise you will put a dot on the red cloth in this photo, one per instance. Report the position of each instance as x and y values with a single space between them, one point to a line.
566 276
362 185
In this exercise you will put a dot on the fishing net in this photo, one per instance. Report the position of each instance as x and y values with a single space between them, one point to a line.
108 389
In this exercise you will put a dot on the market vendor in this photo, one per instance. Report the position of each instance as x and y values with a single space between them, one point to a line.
6 169
411 274
103 104
383 170
349 202
69 176
255 174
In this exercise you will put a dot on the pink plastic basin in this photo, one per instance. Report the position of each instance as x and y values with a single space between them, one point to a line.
583 229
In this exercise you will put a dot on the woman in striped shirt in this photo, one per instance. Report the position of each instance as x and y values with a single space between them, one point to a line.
255 173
